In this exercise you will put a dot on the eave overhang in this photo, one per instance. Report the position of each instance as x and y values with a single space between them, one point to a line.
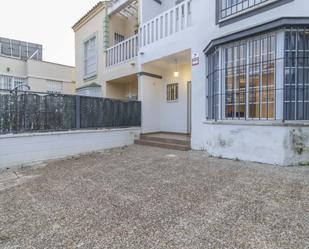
255 30
89 15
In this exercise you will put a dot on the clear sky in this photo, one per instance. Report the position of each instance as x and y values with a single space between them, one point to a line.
47 22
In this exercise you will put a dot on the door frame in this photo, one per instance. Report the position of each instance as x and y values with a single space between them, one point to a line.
189 106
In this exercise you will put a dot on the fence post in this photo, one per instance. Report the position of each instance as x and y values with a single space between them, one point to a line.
77 112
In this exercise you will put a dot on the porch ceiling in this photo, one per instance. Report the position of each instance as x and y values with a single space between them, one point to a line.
126 8
183 58
124 80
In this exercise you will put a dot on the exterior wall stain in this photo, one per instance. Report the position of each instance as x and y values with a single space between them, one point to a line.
224 143
298 141
236 131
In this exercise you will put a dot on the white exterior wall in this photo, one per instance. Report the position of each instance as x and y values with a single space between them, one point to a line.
24 149
38 72
150 95
13 67
121 70
170 45
151 8
268 143
158 114
249 142
205 29
174 115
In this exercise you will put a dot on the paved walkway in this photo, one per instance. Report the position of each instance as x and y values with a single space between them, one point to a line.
145 197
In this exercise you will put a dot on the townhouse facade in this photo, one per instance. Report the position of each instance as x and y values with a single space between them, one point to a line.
234 74
22 68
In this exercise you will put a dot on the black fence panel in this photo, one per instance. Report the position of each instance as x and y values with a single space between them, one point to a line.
100 112
91 112
33 112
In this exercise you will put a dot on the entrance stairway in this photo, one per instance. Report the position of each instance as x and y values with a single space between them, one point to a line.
166 140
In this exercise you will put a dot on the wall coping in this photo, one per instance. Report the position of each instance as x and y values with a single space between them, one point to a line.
278 123
70 132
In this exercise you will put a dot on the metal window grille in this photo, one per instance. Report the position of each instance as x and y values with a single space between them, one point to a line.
242 86
231 7
172 92
10 82
54 86
213 86
296 71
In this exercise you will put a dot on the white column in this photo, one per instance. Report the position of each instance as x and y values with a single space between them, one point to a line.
279 94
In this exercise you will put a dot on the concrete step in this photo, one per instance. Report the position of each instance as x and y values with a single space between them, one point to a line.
172 146
165 140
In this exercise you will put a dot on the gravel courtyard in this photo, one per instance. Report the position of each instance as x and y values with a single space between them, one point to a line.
144 197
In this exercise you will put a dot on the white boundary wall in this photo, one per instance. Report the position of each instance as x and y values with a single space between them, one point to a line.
24 149
273 143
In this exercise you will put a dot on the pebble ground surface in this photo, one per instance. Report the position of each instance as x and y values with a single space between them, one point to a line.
150 198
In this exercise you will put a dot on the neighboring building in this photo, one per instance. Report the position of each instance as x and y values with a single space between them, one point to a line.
233 74
106 44
21 64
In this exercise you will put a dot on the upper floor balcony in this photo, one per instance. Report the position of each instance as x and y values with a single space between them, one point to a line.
166 24
161 27
122 51
121 30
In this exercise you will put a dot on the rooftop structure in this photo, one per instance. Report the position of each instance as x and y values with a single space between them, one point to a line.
20 49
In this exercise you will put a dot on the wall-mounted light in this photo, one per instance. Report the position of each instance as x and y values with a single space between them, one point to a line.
176 73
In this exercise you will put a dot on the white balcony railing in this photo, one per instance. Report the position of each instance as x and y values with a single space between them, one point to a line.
166 24
122 51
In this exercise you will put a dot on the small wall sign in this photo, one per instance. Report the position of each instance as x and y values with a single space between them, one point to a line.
195 59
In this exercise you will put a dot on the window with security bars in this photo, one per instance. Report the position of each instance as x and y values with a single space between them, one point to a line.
261 87
231 7
296 71
242 86
54 86
90 58
235 62
11 82
172 92
213 88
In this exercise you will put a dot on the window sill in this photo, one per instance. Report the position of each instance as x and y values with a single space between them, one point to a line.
172 101
90 77
259 123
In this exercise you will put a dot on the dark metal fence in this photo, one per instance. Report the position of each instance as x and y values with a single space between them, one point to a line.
37 112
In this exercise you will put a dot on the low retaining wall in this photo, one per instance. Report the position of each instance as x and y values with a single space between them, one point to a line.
277 143
24 149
